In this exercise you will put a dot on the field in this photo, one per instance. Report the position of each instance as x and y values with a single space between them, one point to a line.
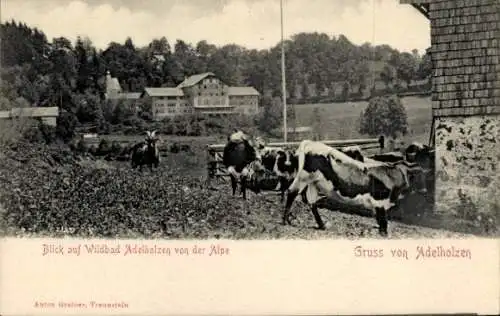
51 191
340 119
91 198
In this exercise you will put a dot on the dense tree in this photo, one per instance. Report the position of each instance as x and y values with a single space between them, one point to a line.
388 75
425 66
406 67
271 117
384 115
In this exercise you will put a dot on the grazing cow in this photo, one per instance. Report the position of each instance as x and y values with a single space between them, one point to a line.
421 154
425 157
357 154
146 152
241 157
327 173
391 157
283 163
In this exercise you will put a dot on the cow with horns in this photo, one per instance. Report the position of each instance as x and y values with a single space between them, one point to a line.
146 152
328 173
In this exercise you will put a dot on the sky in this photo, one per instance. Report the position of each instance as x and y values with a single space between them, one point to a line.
251 23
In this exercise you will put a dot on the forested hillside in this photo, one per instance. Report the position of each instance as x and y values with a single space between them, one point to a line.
314 60
37 71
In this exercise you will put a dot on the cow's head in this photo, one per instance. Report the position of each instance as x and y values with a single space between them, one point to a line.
416 176
287 161
420 154
151 139
259 143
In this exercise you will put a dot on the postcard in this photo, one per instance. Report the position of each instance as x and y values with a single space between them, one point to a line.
246 157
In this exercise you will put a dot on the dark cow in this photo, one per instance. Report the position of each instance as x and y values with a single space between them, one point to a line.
415 153
421 154
242 159
281 162
327 173
392 157
425 157
146 152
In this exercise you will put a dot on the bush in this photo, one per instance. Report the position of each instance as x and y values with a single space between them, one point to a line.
33 135
82 147
66 123
384 116
40 133
103 148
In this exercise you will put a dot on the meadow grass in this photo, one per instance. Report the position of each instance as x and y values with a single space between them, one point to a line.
340 120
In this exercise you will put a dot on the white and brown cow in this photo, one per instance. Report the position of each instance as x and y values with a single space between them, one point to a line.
282 163
328 173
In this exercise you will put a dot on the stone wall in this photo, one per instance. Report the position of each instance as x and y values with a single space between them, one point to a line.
465 36
468 167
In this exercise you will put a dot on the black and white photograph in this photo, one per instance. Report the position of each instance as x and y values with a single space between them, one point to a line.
249 119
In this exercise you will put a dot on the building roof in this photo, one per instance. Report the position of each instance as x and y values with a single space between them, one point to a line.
194 79
126 95
112 83
31 112
242 91
163 91
421 5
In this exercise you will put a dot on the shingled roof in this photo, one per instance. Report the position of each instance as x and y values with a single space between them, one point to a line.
421 5
194 79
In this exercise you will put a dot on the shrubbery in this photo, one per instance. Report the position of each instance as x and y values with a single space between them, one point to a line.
384 116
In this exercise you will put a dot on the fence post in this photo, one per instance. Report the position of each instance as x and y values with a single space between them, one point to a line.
212 164
381 142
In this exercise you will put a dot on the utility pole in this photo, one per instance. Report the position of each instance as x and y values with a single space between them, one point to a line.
283 81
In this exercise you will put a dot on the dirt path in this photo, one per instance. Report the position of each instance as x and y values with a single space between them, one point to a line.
266 211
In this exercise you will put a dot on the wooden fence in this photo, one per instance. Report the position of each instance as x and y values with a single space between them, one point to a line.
216 170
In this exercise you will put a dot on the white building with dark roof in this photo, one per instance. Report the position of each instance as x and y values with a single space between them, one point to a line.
114 90
204 94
